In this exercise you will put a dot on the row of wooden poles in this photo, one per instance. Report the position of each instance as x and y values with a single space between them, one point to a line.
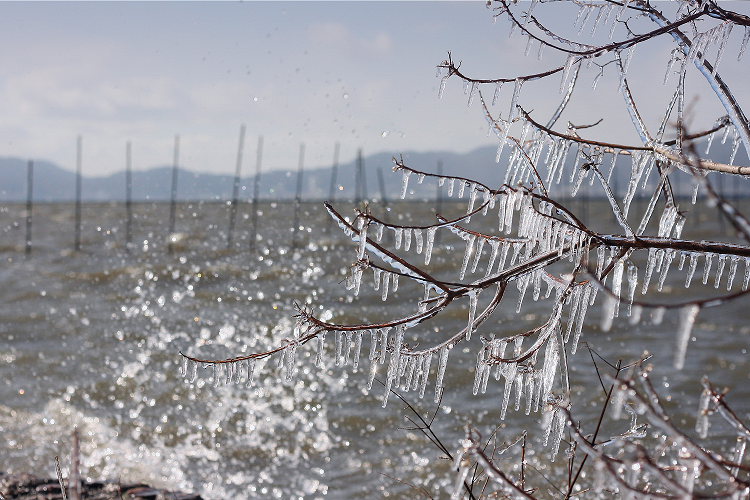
360 192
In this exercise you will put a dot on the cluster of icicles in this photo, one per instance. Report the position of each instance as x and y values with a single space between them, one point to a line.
630 469
538 232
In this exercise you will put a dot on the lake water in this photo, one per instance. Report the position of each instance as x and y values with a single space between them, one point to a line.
91 339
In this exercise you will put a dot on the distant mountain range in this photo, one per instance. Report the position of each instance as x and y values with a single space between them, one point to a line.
54 184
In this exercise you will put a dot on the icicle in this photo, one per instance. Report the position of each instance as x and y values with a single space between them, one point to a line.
510 377
290 361
193 371
617 285
398 236
394 282
357 279
529 389
746 280
650 264
250 372
479 369
707 267
523 284
701 423
384 286
683 255
575 300
557 433
443 81
691 268
472 92
514 100
230 369
357 349
685 326
581 319
503 255
632 284
589 9
488 200
732 271
394 365
477 254
363 223
498 86
217 371
442 363
473 298
418 240
472 199
404 182
426 361
735 146
377 274
566 70
407 239
373 344
668 256
321 347
451 184
383 343
411 367
461 188
379 232
428 247
184 367
339 346
617 18
470 240
720 270
744 42
371 374
519 388
495 244
603 14
628 58
723 38
441 181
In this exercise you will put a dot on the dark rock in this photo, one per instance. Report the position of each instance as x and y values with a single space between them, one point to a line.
28 487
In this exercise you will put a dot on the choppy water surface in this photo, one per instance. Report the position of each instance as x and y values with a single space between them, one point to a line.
92 340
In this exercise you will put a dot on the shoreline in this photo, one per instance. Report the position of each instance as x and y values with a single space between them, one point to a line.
26 486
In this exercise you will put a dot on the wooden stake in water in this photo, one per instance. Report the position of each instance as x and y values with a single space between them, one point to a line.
173 203
79 161
128 197
334 175
29 205
383 196
439 195
74 479
236 190
361 180
298 196
256 193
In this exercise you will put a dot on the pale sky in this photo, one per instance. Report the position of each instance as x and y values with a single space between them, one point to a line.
362 73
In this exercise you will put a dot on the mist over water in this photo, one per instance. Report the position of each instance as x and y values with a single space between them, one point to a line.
91 339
